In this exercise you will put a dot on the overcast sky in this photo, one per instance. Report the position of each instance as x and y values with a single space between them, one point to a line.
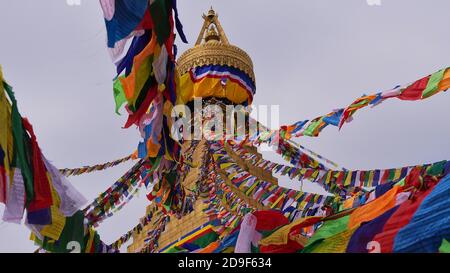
310 57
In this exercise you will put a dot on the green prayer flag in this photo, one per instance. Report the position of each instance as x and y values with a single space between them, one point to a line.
311 129
97 242
335 244
433 83
437 168
401 183
445 247
310 247
360 104
391 174
119 95
254 249
177 249
159 12
206 239
366 178
22 149
72 237
330 228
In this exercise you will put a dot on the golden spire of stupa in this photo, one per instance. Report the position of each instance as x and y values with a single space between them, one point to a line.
213 48
211 20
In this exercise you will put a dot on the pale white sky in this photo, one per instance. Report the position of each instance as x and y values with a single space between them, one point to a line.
310 56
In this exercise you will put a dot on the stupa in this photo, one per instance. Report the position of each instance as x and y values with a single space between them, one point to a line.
220 73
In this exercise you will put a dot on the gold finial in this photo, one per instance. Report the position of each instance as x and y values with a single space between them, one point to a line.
211 20
212 35
211 13
213 48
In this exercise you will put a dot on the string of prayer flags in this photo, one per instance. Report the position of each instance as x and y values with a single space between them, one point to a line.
418 90
28 181
318 156
390 223
335 181
289 150
293 203
75 237
94 168
154 235
113 196
134 231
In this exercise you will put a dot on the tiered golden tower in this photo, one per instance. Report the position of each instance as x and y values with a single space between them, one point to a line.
212 48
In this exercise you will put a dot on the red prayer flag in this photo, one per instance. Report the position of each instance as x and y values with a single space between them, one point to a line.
135 117
43 195
3 185
414 91
268 220
401 217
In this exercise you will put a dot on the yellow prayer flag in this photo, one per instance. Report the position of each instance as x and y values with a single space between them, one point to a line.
348 204
6 138
225 165
299 194
55 229
335 244
281 236
251 188
90 240
370 180
348 179
278 200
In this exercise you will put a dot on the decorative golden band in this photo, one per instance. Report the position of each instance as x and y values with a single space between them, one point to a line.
216 53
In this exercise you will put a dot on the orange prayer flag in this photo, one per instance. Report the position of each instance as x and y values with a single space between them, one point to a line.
374 209
445 82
